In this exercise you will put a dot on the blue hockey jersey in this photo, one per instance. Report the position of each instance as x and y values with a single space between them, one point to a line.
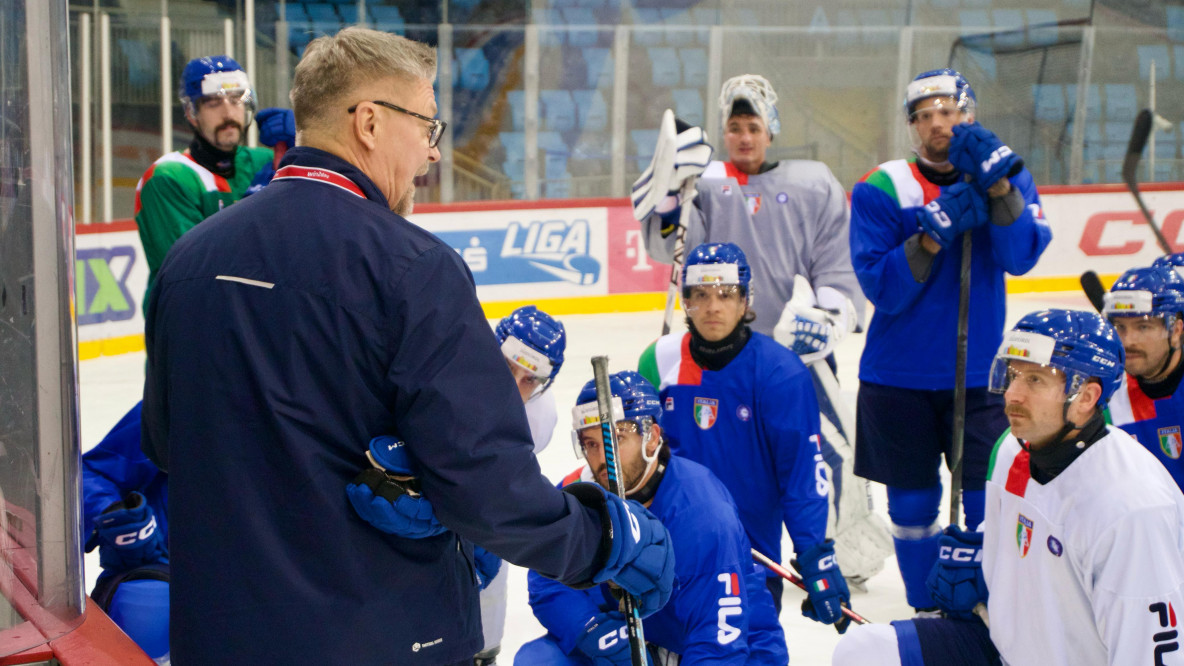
283 333
912 336
755 425
721 612
1156 424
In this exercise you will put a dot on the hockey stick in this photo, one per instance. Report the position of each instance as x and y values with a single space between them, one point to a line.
954 460
1130 165
680 248
1091 284
797 580
604 405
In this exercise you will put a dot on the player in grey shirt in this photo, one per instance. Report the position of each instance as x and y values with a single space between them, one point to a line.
791 219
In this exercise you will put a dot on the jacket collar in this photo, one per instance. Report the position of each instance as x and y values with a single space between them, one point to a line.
316 158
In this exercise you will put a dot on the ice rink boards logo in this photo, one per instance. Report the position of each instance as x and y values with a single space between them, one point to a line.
555 250
1023 534
1169 441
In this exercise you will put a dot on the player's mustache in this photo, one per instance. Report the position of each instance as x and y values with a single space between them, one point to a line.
1016 411
228 124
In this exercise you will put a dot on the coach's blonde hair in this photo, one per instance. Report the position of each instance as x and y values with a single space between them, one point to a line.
334 66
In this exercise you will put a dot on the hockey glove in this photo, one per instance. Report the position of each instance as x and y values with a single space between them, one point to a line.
977 152
262 177
956 581
387 495
960 208
640 556
275 125
487 565
605 641
680 155
812 331
127 535
825 586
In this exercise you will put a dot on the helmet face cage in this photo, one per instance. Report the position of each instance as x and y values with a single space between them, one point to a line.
759 94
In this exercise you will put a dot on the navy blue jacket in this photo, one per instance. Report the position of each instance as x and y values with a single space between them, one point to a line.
285 332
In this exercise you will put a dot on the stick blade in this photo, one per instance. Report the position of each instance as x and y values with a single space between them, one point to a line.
1134 148
1091 284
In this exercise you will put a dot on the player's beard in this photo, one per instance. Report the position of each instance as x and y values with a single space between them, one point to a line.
631 472
406 203
227 146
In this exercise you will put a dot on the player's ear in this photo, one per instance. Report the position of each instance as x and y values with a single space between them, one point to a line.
363 125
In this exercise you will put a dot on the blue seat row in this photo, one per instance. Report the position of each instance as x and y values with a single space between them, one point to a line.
1107 102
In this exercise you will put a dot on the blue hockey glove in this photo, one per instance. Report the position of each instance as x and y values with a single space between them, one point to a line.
956 581
825 586
976 151
127 535
640 557
606 640
262 177
387 495
487 564
960 208
275 125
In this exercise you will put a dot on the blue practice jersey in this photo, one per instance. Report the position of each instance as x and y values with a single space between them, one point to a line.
720 611
912 336
1155 423
115 467
755 424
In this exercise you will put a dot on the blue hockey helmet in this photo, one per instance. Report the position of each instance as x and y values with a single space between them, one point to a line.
716 264
634 400
1083 346
533 340
218 75
943 82
1153 291
1173 261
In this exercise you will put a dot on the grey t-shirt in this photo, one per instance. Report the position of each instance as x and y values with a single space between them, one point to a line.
790 220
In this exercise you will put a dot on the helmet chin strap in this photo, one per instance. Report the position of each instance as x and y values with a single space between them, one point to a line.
650 461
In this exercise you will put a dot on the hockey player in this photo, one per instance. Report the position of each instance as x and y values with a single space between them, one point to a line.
1081 545
183 188
532 342
907 217
1146 307
742 405
721 613
124 514
791 218
305 319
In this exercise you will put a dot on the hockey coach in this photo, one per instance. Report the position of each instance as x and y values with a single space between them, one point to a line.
286 332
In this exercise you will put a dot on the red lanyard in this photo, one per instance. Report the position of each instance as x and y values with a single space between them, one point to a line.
321 176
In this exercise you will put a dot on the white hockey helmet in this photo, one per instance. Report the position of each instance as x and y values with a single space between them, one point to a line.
750 94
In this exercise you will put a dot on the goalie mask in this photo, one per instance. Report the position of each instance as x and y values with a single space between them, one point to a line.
750 94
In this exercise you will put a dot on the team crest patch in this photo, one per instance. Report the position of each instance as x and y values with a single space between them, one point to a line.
743 413
1054 546
726 190
706 411
1169 441
1023 535
669 403
782 198
753 201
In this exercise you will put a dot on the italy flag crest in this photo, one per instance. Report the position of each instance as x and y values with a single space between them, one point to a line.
706 411
1169 441
1023 534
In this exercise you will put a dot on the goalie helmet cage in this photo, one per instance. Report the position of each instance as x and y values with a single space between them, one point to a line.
1027 81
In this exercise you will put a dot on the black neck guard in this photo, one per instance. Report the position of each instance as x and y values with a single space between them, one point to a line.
1167 387
1051 460
218 161
715 355
941 178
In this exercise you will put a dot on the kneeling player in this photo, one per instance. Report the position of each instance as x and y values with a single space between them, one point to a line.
722 612
744 406
1080 547
1145 306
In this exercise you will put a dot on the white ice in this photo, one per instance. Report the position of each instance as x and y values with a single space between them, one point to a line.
111 385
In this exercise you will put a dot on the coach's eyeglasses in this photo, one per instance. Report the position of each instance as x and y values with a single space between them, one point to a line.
438 126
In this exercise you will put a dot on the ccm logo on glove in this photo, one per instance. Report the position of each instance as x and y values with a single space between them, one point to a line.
961 554
995 158
138 535
612 638
826 562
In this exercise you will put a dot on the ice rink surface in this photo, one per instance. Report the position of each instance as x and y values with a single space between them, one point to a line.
111 385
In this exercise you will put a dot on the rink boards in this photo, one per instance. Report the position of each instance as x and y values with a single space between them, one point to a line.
587 256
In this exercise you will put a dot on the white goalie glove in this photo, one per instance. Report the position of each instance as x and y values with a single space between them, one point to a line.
681 154
812 326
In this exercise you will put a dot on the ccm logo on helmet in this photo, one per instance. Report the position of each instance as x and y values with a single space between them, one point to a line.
139 535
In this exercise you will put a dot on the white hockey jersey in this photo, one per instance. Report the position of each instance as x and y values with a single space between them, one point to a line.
540 412
1087 569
